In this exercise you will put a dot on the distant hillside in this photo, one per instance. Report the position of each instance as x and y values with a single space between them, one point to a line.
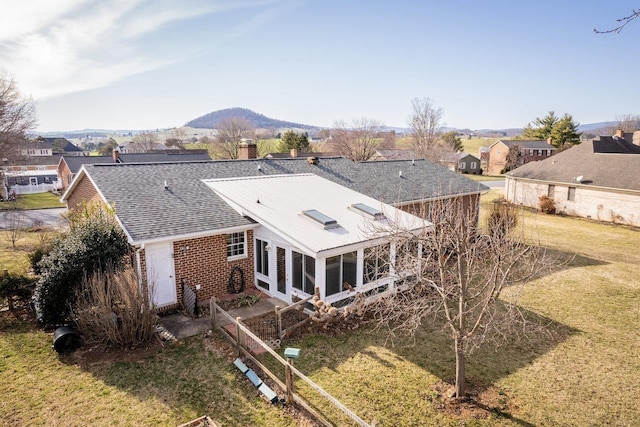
211 120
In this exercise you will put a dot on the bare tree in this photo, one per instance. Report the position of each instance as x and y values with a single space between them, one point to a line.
177 138
17 115
15 221
230 133
624 122
425 120
357 140
622 22
455 275
146 140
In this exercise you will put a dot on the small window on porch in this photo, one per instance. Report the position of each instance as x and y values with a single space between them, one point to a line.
376 263
304 272
262 257
341 269
571 195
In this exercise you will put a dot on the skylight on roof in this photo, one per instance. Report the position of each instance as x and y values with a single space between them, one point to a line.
368 211
325 221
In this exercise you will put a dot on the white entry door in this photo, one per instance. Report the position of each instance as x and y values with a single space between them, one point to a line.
160 273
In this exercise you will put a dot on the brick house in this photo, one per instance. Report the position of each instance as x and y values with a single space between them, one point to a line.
283 226
597 179
530 151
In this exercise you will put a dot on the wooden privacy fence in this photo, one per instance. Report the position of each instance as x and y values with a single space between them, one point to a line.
248 344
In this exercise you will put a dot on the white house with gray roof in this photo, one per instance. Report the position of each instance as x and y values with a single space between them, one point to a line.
283 226
598 179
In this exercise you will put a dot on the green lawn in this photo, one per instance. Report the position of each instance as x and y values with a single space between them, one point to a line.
34 201
582 369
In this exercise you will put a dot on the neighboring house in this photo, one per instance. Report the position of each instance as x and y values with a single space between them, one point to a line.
462 163
395 154
530 151
31 174
68 167
295 153
281 225
139 147
597 179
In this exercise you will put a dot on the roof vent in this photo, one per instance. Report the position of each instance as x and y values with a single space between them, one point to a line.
367 211
400 174
318 217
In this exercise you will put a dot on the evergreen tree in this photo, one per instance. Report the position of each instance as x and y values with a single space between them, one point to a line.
453 140
291 140
562 131
565 132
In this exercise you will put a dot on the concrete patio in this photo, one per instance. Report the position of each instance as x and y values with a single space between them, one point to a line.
182 326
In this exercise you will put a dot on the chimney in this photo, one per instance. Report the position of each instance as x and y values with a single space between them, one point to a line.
620 133
114 153
636 138
549 141
294 152
247 149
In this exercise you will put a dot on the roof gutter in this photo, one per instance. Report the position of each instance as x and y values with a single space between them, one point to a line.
194 235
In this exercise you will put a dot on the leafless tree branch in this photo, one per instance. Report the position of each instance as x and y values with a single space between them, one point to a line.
622 21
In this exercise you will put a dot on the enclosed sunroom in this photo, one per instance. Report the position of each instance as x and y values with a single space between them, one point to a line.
316 233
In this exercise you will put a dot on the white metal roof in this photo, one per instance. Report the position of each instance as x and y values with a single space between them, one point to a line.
277 202
31 172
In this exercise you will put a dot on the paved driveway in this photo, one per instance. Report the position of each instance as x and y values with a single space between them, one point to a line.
49 217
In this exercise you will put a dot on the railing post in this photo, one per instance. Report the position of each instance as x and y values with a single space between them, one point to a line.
289 380
213 310
238 339
278 321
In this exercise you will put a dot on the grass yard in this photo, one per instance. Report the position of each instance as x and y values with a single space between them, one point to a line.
34 201
582 370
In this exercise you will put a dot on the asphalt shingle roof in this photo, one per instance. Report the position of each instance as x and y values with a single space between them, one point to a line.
148 211
75 163
528 144
604 162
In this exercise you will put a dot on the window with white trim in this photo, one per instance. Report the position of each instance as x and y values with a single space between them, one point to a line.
341 269
376 263
304 272
262 257
571 194
474 165
236 245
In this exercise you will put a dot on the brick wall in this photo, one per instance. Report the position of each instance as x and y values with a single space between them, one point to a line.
205 263
469 203
84 192
64 174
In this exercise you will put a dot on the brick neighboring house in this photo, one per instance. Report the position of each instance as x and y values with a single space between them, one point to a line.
597 179
531 151
271 219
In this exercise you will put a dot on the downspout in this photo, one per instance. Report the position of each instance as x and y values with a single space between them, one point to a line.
139 266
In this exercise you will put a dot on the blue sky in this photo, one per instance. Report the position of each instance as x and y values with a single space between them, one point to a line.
146 64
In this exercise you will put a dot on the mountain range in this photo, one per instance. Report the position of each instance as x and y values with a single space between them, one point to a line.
213 119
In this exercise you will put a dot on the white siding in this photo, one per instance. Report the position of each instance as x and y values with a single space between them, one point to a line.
590 202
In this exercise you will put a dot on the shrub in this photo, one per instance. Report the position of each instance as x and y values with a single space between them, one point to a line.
95 240
110 308
547 205
14 285
502 219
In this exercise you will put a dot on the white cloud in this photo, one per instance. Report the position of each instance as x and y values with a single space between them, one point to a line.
75 45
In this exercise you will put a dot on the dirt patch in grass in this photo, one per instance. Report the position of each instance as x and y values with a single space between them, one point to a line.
482 401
